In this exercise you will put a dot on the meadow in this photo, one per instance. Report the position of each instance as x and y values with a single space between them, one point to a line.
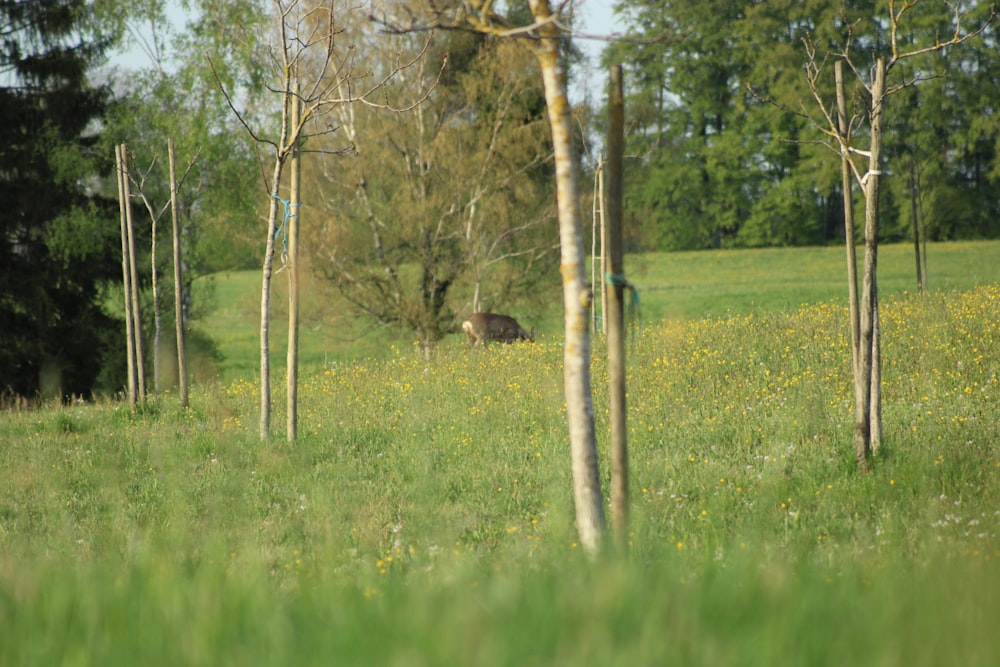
672 286
424 515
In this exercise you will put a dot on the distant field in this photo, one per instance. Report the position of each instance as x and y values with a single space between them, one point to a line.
684 285
698 284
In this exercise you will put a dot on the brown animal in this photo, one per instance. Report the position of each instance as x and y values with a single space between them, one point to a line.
481 328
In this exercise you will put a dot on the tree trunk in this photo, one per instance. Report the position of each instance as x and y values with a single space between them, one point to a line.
140 370
597 209
576 296
862 382
265 305
615 287
126 278
281 154
870 353
157 320
847 183
915 215
182 388
292 267
875 409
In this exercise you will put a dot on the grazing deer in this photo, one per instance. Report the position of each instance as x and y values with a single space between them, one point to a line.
481 328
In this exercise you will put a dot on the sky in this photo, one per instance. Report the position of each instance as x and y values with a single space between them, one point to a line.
594 17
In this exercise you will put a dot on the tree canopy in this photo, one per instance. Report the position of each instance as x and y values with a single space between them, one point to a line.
54 257
446 209
718 164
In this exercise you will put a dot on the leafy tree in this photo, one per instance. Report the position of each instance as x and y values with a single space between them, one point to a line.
444 209
302 63
719 166
56 250
174 94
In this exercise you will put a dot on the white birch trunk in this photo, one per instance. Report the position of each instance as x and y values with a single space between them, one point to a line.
292 229
576 296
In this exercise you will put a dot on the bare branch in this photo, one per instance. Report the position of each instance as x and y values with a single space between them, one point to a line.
229 100
956 38
141 183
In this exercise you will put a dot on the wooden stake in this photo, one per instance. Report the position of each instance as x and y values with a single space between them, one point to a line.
614 284
126 277
182 388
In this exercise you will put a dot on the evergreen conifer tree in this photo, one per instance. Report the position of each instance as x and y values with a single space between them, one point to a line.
55 252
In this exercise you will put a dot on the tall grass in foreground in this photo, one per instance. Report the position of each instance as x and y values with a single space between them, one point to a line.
424 518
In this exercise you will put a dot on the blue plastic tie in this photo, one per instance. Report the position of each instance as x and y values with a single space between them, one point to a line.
281 228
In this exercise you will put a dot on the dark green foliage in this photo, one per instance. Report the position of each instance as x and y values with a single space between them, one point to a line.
719 165
58 240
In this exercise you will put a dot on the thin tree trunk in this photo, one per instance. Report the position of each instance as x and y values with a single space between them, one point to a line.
847 183
864 444
157 320
914 214
265 306
182 388
292 229
862 382
596 210
875 410
615 287
126 278
923 255
280 156
140 370
604 256
576 296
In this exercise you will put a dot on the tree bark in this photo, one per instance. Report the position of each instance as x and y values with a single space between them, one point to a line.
847 183
615 287
281 154
576 296
157 319
140 370
126 278
292 268
864 444
915 215
182 388
875 409
862 381
265 304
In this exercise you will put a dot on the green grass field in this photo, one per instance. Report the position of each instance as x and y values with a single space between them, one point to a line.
685 285
424 515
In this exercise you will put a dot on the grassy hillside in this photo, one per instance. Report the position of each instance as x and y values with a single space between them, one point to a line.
698 284
424 516
684 286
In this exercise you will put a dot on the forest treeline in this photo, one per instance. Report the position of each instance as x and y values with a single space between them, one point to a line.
419 216
724 152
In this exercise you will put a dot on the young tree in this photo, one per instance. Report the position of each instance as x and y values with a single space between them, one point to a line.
170 98
313 67
867 354
138 187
